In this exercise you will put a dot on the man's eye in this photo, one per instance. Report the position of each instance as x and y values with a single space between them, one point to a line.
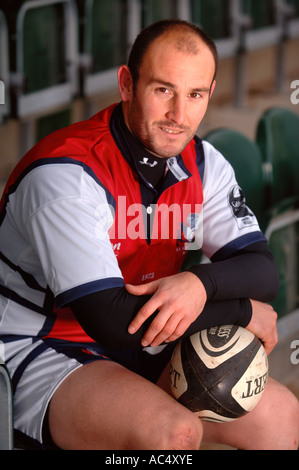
163 90
195 95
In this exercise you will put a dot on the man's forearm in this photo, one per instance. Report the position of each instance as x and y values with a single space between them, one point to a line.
106 315
251 273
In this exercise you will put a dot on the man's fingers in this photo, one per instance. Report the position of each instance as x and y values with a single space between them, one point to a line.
144 313
169 334
173 298
263 324
142 289
270 342
161 328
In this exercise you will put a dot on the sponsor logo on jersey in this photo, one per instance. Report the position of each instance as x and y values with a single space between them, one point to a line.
116 248
148 277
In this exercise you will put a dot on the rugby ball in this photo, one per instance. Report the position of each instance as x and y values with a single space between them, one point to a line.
219 373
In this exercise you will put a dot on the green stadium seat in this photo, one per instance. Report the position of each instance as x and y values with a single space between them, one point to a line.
295 5
277 135
103 47
293 26
45 73
106 44
45 125
213 16
278 138
155 10
262 13
282 234
245 158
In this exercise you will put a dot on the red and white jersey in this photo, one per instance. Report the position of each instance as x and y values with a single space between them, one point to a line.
76 218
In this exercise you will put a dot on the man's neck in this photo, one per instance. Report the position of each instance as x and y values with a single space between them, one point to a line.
151 167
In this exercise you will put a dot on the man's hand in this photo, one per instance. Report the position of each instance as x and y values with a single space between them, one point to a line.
263 324
179 299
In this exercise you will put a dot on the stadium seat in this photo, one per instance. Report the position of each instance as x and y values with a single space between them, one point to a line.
213 16
45 73
51 122
262 13
155 10
279 228
245 158
6 410
277 135
293 30
282 234
103 48
278 138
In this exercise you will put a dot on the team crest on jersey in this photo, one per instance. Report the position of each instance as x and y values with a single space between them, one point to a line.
241 212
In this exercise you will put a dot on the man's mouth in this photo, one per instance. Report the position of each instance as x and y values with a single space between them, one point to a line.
170 131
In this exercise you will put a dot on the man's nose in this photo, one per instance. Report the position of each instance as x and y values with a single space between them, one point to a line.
177 110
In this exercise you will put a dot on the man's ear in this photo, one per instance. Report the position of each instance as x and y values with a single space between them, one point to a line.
212 88
125 83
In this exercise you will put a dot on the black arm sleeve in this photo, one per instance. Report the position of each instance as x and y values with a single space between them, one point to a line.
106 315
250 273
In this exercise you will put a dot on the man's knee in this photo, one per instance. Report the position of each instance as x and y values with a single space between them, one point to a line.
183 433
292 419
283 411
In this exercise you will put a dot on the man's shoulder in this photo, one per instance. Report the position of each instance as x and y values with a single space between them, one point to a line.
74 141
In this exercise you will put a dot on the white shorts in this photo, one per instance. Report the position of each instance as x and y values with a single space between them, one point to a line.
38 370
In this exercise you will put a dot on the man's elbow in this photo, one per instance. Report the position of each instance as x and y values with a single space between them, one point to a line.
271 287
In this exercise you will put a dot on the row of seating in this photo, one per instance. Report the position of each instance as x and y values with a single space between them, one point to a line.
54 50
268 171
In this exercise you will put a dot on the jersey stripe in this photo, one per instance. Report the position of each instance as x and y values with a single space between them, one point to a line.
9 294
29 280
89 288
238 244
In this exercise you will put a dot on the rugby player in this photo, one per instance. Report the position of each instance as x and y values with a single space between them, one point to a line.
93 293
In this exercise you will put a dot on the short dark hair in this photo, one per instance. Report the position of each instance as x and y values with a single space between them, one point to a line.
155 30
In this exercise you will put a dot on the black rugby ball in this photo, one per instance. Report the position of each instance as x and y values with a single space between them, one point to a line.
219 373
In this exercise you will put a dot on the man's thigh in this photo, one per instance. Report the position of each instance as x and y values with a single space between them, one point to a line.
39 369
103 405
36 372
